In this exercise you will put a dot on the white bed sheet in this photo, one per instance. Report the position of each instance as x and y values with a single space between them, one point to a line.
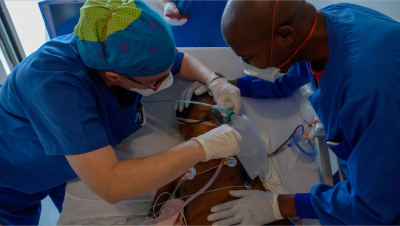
277 118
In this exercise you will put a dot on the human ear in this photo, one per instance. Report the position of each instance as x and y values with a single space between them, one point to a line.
182 129
285 36
112 76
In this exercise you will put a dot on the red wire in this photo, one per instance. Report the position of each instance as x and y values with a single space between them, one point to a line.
309 35
105 32
272 38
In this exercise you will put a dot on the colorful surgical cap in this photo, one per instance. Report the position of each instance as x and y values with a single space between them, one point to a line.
139 42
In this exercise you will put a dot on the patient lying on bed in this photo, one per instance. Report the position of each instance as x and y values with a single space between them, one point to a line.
230 178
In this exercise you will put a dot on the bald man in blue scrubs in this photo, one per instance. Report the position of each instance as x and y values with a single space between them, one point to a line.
202 29
351 56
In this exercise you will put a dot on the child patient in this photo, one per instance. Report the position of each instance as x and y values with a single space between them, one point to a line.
234 178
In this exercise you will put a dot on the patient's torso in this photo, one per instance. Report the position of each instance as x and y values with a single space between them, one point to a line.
196 211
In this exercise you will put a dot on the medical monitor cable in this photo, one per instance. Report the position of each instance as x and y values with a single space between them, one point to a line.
193 196
278 149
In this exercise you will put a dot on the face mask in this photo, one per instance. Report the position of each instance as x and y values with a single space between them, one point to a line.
272 73
146 92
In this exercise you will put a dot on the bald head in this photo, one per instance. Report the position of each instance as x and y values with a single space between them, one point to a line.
247 29
253 19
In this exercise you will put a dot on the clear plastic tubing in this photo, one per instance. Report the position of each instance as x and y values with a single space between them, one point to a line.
192 102
193 196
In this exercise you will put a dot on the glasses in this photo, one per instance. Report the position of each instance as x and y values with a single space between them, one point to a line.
155 87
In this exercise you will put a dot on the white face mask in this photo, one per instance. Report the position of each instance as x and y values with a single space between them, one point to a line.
146 92
270 74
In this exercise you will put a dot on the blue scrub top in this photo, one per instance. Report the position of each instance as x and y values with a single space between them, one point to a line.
52 105
358 102
203 29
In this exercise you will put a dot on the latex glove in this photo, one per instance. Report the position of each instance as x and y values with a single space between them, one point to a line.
220 142
170 8
197 88
225 94
253 208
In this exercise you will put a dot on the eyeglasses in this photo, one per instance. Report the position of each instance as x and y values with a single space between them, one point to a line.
155 87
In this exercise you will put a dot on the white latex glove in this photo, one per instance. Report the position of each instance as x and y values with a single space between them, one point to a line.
225 94
220 142
197 88
170 8
253 208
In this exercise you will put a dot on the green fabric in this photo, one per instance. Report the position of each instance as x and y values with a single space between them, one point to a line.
94 15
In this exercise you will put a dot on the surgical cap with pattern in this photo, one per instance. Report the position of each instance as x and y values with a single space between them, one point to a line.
139 42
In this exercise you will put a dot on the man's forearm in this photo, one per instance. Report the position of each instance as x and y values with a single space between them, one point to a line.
193 69
160 3
233 82
287 206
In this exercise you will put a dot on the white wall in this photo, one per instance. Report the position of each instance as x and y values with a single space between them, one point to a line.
389 8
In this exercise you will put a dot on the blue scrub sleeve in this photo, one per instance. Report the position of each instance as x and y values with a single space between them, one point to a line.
303 205
177 63
251 86
371 195
64 116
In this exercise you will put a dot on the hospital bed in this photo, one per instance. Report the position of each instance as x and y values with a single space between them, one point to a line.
277 118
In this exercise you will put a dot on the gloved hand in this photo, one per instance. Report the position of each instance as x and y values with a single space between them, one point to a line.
225 94
197 88
220 142
253 208
170 8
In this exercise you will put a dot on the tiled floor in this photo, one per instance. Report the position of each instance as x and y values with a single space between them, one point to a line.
49 214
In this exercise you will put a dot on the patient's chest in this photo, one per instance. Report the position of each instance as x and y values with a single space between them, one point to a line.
229 178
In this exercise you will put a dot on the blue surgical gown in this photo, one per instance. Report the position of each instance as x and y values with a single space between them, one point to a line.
203 29
358 102
52 105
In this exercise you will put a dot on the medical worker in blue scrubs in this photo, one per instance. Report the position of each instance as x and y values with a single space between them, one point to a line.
64 108
202 29
351 56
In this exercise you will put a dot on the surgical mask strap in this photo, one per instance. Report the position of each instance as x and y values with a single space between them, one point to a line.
206 122
272 39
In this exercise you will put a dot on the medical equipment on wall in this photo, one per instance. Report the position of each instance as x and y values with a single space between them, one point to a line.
298 142
315 128
252 153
